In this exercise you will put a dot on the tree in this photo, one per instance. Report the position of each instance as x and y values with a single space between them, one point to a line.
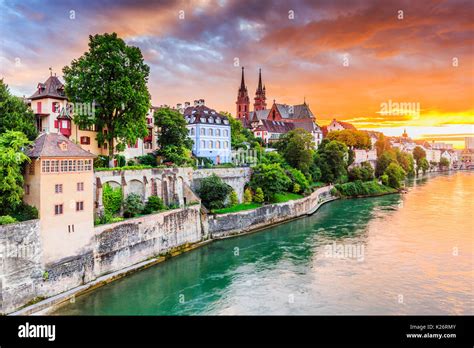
352 138
259 197
12 157
424 165
133 205
332 160
383 161
298 178
113 77
213 192
112 199
382 144
364 173
271 178
444 162
239 135
248 196
395 175
406 162
296 147
15 114
418 155
153 204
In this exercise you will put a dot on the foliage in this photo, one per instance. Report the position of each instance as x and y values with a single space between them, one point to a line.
12 157
259 197
240 136
359 188
395 174
131 162
384 179
382 144
314 169
101 162
444 162
296 188
424 165
114 77
148 160
173 140
418 155
137 167
271 178
6 219
352 138
15 114
153 204
332 160
133 205
364 172
205 162
296 147
248 196
298 178
121 162
406 161
237 208
384 160
25 212
234 200
213 192
111 199
273 157
285 197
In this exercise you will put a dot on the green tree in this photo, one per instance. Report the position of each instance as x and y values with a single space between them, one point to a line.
382 144
332 160
239 135
364 173
406 162
444 162
297 148
298 178
213 192
15 114
424 165
234 200
418 155
112 199
271 178
248 196
173 136
273 157
12 157
259 197
133 205
352 138
395 175
383 161
113 77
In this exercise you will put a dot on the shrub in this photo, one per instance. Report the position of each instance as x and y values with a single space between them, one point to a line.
112 199
234 200
120 160
101 162
296 188
271 178
25 212
395 174
259 196
130 162
149 160
297 177
6 219
213 192
248 196
133 205
153 204
384 179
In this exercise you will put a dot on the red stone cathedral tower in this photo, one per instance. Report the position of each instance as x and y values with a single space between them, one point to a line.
243 101
260 98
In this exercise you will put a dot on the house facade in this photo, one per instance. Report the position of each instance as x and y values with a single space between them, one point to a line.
209 131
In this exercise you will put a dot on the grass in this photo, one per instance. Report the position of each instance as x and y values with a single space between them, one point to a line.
236 208
317 184
363 189
285 197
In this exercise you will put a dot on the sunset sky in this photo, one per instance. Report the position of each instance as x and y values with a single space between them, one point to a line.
301 47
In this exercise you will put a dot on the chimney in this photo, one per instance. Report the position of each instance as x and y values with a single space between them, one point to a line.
187 104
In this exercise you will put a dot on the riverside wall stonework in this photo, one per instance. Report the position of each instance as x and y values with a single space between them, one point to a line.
223 225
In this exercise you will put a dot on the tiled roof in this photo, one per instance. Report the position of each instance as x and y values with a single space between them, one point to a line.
298 112
52 88
275 126
346 125
308 125
203 114
50 145
261 114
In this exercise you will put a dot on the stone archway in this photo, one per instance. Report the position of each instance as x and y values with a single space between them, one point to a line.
137 187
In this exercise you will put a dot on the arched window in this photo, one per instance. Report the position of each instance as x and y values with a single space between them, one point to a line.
203 131
226 145
218 132
210 132
191 131
226 133
218 144
203 144
211 145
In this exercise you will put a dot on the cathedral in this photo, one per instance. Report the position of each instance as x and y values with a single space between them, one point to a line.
270 123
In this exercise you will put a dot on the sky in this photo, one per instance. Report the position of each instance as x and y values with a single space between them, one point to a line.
350 60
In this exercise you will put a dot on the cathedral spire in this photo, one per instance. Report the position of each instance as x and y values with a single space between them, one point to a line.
260 88
260 98
243 100
242 83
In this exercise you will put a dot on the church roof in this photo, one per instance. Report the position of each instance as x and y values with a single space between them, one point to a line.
295 111
56 145
261 114
52 88
275 126
309 126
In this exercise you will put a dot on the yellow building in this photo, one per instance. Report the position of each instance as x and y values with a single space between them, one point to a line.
59 183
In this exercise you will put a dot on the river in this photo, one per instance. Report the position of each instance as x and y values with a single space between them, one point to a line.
395 254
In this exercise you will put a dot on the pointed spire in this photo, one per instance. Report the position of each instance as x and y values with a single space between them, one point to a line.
260 88
242 83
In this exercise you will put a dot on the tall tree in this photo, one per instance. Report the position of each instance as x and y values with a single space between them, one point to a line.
297 147
15 114
12 157
382 144
173 140
114 77
418 155
332 160
352 138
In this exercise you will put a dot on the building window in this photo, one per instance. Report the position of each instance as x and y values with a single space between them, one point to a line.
226 133
55 166
218 132
218 144
80 165
58 209
38 108
27 189
80 186
85 140
72 165
105 146
79 206
211 145
55 107
203 131
88 165
58 188
45 166
191 131
203 144
64 165
211 132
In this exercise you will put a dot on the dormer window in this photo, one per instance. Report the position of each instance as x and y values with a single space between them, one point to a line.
226 122
218 120
203 120
63 146
211 120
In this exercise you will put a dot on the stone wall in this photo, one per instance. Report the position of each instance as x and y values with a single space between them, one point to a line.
20 263
235 177
223 225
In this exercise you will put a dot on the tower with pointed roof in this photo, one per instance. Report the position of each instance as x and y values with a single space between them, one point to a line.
260 97
243 101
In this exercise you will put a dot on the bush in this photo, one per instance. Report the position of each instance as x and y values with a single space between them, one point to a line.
360 188
204 162
25 212
259 196
298 178
395 174
6 219
112 199
153 204
101 162
149 160
234 200
296 188
120 160
271 178
213 192
132 205
365 172
248 196
131 162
